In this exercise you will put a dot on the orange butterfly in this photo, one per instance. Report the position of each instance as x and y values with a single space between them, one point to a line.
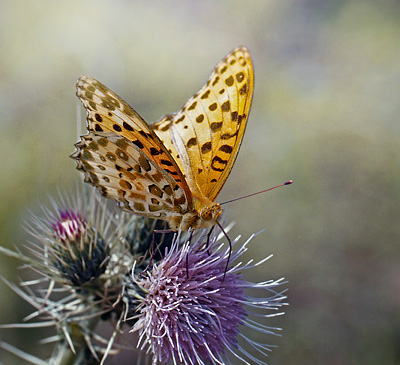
175 168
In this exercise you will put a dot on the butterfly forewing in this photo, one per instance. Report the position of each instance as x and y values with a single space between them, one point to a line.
207 132
107 112
121 171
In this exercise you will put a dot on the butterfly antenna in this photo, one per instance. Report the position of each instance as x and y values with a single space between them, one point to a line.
262 191
230 248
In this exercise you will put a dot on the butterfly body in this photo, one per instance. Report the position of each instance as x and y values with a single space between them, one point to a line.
205 218
172 169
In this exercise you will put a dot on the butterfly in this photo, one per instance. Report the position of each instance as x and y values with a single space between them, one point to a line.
172 169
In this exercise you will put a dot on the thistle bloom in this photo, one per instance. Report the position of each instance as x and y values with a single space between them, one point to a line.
83 252
75 239
186 307
193 312
69 225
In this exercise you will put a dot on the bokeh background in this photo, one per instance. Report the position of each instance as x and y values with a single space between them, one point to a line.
325 114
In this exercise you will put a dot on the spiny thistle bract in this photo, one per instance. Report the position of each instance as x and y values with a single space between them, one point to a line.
97 264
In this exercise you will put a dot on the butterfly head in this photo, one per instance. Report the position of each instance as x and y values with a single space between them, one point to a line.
211 214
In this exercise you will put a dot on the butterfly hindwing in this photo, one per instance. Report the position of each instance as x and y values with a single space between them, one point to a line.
107 112
121 171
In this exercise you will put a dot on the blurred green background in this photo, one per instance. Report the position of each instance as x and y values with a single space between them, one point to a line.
325 114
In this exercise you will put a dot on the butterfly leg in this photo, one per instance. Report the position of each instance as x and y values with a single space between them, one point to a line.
208 240
230 248
153 247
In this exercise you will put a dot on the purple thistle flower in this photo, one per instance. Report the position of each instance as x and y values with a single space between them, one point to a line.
75 239
186 308
192 315
69 225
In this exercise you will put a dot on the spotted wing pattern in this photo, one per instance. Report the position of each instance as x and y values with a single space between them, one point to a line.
123 172
177 165
208 130
107 112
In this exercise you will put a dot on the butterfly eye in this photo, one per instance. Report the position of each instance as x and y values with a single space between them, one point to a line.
206 214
